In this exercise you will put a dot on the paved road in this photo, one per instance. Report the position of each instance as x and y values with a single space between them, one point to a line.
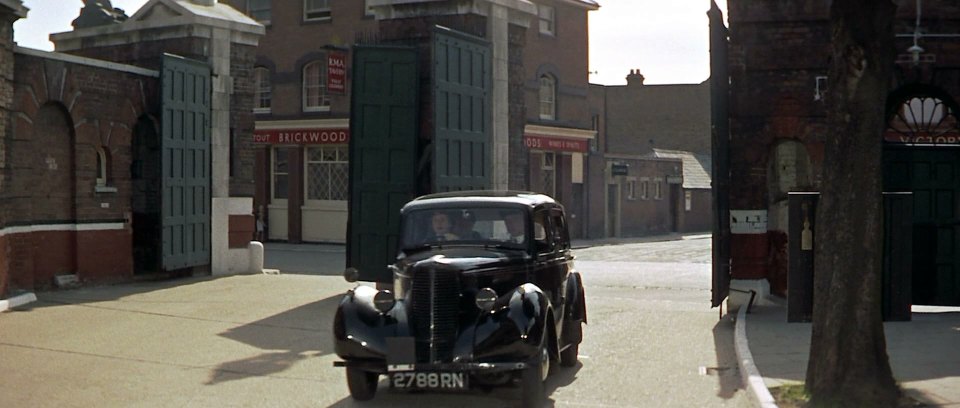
263 340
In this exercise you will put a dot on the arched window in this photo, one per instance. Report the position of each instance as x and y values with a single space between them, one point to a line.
263 94
548 97
315 98
924 119
101 167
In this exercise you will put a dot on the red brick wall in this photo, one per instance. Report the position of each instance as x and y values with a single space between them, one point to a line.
6 103
64 112
4 266
700 216
649 216
563 55
288 38
104 256
777 48
241 229
54 253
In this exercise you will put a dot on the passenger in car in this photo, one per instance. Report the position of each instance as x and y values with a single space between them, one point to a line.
440 223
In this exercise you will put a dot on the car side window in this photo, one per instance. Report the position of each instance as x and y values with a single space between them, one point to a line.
542 233
561 235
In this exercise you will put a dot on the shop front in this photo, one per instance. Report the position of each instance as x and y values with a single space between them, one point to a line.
306 169
557 167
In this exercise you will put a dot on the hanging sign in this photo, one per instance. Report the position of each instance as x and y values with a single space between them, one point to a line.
336 73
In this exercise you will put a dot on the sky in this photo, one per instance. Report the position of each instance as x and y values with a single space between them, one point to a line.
668 41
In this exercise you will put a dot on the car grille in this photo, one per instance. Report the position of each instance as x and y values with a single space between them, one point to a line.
435 299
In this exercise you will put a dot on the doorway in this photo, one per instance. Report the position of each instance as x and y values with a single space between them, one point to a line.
932 174
613 210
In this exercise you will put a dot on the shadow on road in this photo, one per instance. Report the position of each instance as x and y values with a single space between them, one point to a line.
291 336
106 293
726 371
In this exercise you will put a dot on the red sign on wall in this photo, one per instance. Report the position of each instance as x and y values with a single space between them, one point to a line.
555 144
336 73
302 136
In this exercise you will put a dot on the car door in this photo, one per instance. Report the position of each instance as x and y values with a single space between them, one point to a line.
551 263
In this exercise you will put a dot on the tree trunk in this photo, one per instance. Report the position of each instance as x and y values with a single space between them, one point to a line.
848 363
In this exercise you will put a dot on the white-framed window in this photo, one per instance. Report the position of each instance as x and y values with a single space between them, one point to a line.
263 93
101 167
315 97
631 188
658 188
316 10
548 173
688 200
367 8
548 97
644 188
548 19
259 10
280 173
327 169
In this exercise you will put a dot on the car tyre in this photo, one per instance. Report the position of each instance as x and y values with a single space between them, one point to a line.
362 384
572 333
534 376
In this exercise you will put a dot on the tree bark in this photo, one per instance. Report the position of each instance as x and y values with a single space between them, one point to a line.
848 364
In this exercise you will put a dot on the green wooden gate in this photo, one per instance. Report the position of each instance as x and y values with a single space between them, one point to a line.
383 154
462 109
185 150
933 175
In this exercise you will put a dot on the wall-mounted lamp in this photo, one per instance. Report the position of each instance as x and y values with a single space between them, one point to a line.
820 91
915 50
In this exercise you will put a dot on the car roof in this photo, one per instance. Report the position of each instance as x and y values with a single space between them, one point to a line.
480 197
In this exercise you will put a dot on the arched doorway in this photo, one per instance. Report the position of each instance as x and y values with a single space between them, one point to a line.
922 156
53 190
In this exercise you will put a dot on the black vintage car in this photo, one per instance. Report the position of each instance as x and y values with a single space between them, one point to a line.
484 294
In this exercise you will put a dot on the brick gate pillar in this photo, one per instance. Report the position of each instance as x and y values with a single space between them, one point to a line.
10 11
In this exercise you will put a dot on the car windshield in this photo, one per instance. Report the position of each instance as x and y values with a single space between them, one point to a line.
480 226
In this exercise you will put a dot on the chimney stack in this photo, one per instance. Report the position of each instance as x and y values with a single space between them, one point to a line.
635 78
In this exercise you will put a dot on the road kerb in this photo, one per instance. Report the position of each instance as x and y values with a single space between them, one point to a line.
752 379
17 301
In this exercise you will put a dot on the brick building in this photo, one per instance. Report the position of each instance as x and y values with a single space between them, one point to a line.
650 173
302 104
79 138
777 59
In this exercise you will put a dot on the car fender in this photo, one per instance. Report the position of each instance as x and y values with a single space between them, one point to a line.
360 330
516 326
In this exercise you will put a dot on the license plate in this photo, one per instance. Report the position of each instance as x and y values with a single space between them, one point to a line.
429 380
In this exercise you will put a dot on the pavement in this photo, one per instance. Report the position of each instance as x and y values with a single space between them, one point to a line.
924 353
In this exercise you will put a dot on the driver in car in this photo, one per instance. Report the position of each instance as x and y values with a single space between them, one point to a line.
514 222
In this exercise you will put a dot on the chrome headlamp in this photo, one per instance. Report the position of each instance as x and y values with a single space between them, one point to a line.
383 301
485 299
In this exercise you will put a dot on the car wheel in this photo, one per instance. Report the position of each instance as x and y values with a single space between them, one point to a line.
572 333
362 384
534 376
